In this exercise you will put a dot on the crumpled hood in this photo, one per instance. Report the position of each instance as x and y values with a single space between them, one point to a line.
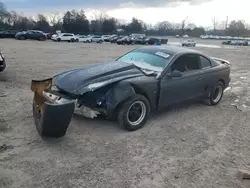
92 77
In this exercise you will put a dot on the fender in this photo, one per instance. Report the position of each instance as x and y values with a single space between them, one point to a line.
119 93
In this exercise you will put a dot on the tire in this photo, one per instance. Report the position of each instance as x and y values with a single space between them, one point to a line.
215 95
22 38
76 40
72 40
125 108
41 39
58 40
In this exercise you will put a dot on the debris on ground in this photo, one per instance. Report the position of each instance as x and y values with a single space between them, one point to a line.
5 147
244 174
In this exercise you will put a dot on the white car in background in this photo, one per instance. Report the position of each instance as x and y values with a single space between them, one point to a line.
85 39
97 39
189 43
70 37
106 38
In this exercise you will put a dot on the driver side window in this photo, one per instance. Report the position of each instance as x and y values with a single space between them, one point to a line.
186 63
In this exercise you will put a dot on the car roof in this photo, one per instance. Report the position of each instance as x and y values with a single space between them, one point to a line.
167 49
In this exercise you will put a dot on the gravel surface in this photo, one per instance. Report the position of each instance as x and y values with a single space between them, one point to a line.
191 145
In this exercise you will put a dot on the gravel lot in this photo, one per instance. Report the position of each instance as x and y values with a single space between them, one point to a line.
191 145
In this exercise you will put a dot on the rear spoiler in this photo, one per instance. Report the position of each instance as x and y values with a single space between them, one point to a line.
223 61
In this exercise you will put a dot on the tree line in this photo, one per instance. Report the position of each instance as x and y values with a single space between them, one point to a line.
74 21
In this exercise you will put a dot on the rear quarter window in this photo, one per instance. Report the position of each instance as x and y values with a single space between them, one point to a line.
205 63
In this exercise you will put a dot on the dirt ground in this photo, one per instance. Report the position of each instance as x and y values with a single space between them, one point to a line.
191 145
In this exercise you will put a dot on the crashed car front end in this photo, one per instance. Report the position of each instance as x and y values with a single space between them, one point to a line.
53 108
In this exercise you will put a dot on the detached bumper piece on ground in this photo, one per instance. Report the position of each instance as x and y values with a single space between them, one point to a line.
2 62
51 119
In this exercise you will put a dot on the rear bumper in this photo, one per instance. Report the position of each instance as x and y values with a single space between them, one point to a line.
52 116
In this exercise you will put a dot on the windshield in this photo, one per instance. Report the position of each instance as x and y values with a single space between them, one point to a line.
154 62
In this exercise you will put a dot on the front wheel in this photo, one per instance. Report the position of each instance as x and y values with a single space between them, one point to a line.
216 94
133 113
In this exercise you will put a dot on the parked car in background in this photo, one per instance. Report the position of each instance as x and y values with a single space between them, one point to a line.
239 42
48 35
185 36
8 34
226 42
139 40
125 40
106 38
85 39
69 37
2 62
31 34
152 40
115 38
97 39
137 35
189 43
164 41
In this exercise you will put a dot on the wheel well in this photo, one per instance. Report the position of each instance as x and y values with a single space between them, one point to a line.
222 82
141 92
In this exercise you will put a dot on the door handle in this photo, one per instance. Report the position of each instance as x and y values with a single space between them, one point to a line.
199 79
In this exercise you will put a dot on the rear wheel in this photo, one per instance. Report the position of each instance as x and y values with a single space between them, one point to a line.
216 94
133 113
42 38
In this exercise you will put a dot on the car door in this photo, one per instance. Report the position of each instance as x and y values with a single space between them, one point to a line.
186 87
70 36
30 35
209 75
65 37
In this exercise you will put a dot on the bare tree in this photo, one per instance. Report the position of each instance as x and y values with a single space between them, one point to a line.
99 15
226 23
215 24
184 24
55 18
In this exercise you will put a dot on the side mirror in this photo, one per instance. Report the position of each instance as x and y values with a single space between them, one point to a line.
175 73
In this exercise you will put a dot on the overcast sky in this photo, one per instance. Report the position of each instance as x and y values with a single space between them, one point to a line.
199 12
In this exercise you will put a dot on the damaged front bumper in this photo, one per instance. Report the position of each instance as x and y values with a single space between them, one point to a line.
52 114
52 111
